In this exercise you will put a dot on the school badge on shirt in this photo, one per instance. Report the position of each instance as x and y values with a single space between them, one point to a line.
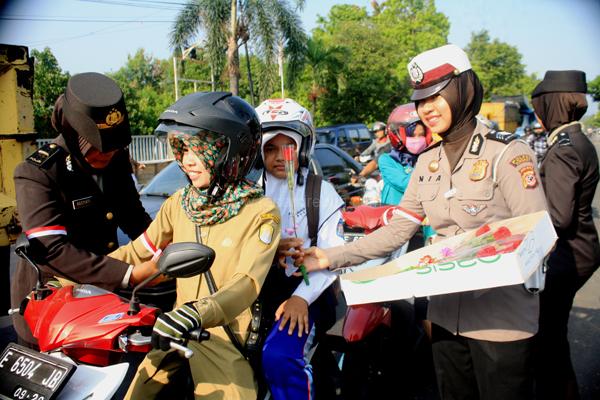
265 233
478 170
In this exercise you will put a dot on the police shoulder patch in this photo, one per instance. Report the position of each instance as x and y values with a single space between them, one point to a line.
503 137
45 155
564 139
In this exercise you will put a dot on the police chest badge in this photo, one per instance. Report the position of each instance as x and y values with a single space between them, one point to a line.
265 233
478 170
528 177
473 209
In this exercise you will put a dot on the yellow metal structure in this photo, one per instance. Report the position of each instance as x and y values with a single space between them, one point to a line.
16 129
505 113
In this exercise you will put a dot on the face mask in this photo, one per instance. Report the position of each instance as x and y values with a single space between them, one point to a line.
416 145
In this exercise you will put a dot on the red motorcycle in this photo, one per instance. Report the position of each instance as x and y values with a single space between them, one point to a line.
84 332
386 344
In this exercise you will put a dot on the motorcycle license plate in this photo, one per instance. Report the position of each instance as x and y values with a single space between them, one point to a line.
26 374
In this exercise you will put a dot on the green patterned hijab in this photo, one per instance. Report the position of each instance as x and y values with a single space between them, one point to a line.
195 202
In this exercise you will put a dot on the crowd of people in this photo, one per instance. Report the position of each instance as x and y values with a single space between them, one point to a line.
280 240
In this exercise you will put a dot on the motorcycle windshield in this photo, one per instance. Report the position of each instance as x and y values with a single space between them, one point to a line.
85 290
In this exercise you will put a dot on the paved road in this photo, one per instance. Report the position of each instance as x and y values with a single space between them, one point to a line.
584 326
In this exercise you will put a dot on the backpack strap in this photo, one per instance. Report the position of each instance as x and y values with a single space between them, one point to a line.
312 197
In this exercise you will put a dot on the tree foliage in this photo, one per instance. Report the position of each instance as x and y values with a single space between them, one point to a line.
49 82
367 77
499 66
594 88
147 93
272 26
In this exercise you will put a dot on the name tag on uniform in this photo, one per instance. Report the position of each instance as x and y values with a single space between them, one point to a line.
82 203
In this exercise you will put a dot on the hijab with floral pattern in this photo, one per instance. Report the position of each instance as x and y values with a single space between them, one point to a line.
195 202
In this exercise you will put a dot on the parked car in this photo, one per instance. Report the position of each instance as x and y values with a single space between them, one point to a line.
352 138
329 162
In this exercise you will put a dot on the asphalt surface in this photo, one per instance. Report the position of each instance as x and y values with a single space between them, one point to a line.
584 325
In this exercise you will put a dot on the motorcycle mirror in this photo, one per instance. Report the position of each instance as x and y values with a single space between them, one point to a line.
178 260
22 245
185 259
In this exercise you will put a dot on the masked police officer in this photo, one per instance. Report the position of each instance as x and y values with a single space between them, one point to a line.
73 193
569 174
481 340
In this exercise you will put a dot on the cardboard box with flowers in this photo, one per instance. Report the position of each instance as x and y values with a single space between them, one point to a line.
501 253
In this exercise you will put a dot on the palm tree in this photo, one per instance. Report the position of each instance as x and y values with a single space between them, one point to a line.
321 61
225 25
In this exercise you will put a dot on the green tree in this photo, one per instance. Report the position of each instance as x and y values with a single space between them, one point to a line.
49 82
371 77
594 91
271 25
147 95
320 62
410 27
594 88
499 66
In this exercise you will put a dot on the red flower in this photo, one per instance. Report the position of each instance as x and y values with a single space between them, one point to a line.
487 251
484 229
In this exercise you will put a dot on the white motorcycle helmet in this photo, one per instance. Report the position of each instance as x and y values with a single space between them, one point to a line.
286 117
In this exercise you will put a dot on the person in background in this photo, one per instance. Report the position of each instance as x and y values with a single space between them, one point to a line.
482 340
302 310
570 176
215 138
74 193
408 139
136 167
537 140
379 145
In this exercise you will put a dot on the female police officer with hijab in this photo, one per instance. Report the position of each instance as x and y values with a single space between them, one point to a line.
570 176
482 339
73 193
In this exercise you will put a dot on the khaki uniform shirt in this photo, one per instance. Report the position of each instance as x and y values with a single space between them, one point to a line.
495 179
244 245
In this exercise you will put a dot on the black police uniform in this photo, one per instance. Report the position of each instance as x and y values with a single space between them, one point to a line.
55 195
569 173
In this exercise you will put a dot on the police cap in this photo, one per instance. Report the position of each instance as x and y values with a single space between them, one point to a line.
431 70
95 109
561 81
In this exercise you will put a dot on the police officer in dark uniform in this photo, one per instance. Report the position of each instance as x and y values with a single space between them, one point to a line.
73 193
570 175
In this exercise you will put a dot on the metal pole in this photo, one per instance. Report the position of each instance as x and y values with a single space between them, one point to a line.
175 78
280 60
195 87
250 83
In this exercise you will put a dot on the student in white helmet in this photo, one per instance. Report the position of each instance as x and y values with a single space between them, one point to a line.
302 308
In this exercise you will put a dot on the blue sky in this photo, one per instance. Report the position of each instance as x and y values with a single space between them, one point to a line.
551 34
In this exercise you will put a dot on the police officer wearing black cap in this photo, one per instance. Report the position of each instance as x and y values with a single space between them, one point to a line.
73 193
570 175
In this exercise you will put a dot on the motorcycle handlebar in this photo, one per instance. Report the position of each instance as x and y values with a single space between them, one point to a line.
198 335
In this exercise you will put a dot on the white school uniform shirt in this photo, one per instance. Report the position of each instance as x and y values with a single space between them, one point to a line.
330 230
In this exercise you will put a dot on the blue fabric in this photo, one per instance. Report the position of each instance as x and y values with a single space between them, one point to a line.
395 171
395 179
286 368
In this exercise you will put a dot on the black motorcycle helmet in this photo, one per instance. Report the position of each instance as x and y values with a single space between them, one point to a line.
223 114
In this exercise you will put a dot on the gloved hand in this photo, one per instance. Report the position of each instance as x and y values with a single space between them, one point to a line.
175 326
